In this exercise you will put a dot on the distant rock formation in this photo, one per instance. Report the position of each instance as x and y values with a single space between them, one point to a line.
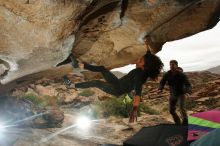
215 69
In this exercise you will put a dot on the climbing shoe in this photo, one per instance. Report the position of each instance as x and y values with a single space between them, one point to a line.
66 80
74 62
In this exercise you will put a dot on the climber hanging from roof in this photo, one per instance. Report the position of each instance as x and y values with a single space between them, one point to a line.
148 66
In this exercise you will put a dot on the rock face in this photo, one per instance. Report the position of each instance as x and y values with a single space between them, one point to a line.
215 69
24 113
36 35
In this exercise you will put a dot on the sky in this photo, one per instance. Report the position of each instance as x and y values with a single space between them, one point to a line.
195 53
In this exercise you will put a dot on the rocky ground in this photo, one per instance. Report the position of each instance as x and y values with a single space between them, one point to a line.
205 93
44 112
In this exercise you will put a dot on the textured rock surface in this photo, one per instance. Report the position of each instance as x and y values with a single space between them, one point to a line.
36 35
23 113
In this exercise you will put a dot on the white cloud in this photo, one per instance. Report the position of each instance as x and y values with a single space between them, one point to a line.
198 52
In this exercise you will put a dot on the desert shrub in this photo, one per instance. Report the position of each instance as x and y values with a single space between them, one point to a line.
190 104
164 108
148 110
87 93
116 107
32 98
211 103
41 101
45 84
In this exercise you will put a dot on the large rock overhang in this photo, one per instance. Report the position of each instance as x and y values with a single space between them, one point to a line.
37 35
